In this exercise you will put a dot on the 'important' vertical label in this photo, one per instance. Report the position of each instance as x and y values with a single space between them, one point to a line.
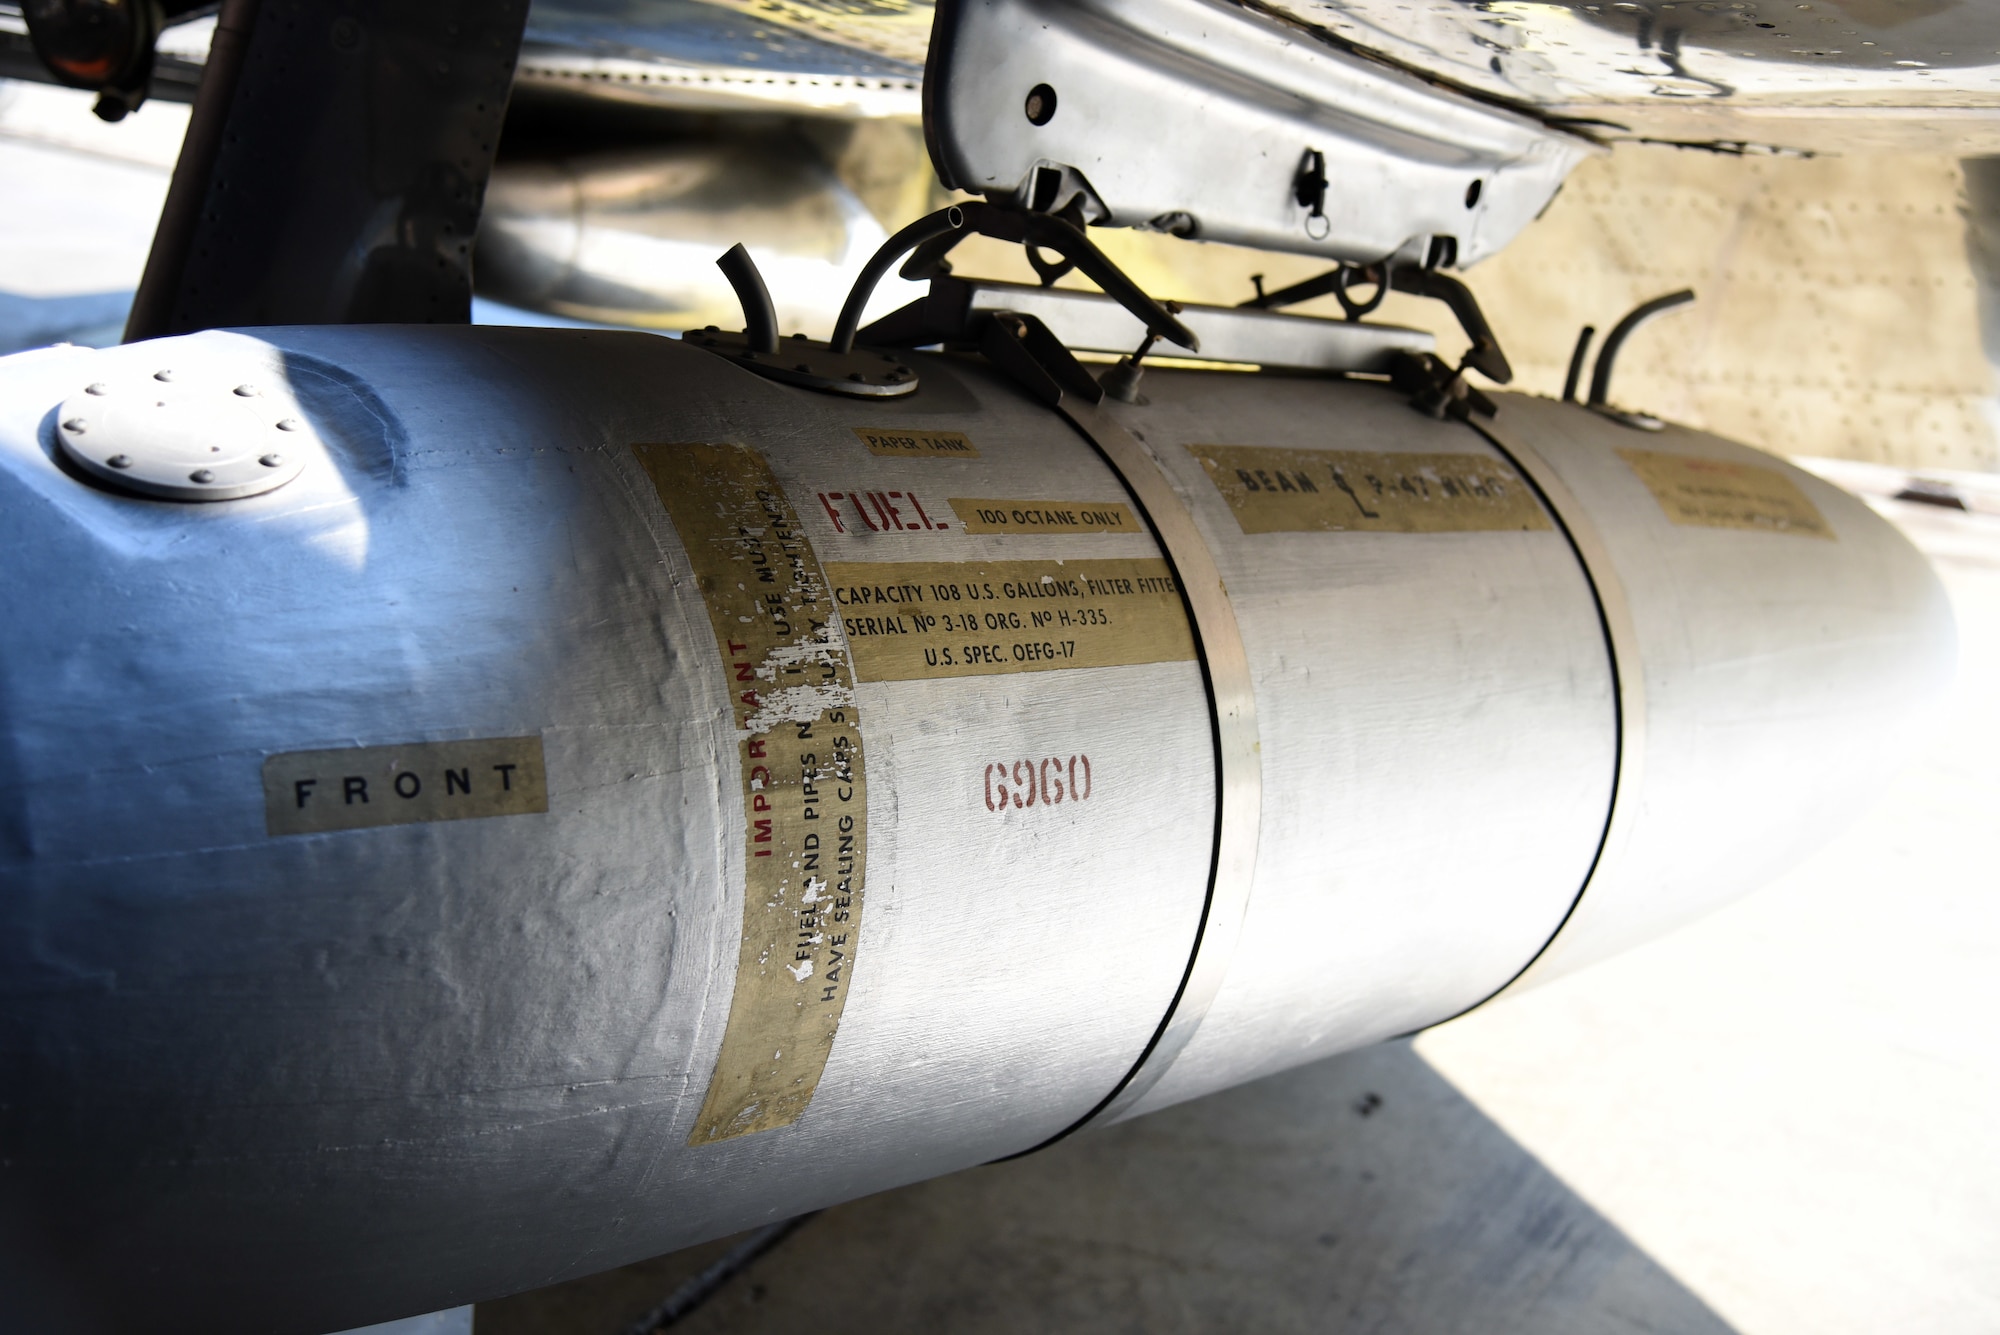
805 805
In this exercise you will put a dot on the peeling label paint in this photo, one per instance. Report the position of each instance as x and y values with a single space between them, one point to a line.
791 691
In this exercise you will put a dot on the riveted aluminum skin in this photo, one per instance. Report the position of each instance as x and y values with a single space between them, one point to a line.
1279 141
299 1081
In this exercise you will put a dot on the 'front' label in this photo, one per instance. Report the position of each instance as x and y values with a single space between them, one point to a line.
353 787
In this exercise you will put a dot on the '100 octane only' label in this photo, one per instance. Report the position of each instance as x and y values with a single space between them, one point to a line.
907 620
1043 517
803 787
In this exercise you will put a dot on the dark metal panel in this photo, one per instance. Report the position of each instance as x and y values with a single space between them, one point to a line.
343 184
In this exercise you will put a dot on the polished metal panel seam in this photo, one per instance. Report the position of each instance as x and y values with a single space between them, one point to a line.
1628 681
1240 784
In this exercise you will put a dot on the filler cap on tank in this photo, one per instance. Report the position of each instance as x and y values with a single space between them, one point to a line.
186 430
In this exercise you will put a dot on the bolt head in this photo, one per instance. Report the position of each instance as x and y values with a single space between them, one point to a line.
201 475
120 461
289 424
246 391
75 426
163 376
98 390
271 460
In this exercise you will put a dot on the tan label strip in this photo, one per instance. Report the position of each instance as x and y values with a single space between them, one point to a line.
908 620
1322 491
354 787
1000 516
805 797
1719 493
903 443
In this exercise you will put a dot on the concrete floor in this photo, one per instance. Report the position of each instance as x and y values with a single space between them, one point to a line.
1363 1194
1777 1120
1790 1105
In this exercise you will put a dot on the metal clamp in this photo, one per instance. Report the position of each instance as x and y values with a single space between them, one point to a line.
1233 702
1020 345
1484 354
1628 681
1048 231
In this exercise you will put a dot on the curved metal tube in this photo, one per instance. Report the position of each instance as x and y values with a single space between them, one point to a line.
760 317
1576 360
942 223
1607 357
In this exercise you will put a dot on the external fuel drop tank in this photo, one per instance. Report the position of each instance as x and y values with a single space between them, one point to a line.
604 799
